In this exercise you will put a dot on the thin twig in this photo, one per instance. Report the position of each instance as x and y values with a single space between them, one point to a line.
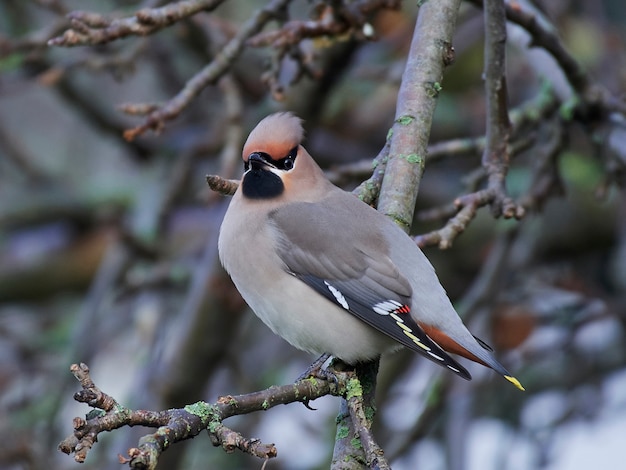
333 20
525 119
549 40
92 28
210 73
369 189
35 41
498 126
221 185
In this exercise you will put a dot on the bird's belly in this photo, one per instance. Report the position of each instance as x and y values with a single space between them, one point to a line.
312 323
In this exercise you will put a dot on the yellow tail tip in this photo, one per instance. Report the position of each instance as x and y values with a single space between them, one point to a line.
515 382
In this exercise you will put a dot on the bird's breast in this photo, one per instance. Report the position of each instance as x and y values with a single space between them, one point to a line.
288 306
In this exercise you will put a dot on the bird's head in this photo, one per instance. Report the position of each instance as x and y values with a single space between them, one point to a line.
274 161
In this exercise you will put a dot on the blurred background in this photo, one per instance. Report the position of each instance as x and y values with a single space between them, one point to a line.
108 248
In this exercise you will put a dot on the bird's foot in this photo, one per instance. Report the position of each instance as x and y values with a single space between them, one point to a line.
315 370
334 374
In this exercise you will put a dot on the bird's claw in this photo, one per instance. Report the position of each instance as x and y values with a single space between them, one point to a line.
315 370
306 404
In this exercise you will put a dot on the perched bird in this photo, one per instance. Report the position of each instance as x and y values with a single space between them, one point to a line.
326 271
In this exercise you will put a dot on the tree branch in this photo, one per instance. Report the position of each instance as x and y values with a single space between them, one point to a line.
369 190
464 208
176 425
210 73
431 50
355 446
549 40
221 185
333 19
93 29
591 96
496 157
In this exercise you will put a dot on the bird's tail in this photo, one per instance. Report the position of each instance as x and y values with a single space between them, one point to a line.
470 348
485 356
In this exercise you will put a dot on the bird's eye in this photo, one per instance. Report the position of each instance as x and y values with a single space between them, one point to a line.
288 162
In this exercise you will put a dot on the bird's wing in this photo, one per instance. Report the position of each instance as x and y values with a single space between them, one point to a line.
351 268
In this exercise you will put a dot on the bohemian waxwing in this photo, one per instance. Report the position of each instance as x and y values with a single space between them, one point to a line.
326 271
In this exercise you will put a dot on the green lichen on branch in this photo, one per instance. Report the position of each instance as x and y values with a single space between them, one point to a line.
356 443
201 409
354 389
405 120
342 432
413 158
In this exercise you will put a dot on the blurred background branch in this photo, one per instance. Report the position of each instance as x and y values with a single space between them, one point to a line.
108 253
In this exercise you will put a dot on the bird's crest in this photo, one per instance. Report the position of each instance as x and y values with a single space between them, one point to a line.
276 135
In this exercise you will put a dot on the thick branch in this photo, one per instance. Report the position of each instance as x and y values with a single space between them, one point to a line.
355 446
431 49
362 407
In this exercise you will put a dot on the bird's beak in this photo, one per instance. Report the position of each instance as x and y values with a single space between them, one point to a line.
258 161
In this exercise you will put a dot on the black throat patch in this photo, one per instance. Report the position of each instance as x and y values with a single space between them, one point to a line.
261 184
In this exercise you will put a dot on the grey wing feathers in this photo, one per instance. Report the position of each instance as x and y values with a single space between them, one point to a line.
310 241
355 273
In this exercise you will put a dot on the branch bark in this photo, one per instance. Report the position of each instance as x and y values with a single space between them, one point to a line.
498 126
431 50
355 446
